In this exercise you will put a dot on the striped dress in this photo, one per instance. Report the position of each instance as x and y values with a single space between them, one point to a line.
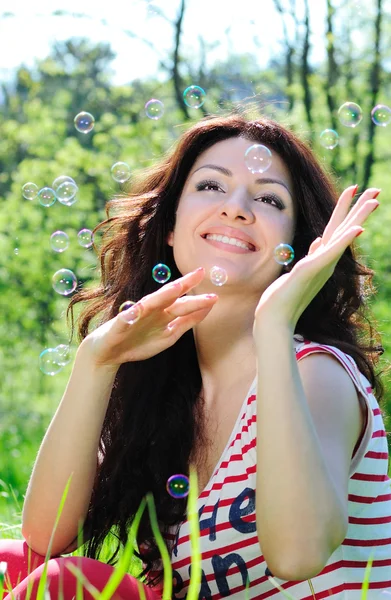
230 549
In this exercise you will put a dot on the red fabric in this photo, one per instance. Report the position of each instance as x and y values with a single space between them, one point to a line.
16 554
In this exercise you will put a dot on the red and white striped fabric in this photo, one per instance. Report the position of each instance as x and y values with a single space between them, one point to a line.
229 544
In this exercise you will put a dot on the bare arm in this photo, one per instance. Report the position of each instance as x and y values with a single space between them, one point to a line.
70 446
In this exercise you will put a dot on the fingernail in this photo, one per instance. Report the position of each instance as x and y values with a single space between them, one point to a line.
354 192
375 195
199 269
360 232
376 207
211 295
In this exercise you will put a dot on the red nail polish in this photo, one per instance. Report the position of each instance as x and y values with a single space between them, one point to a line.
360 232
376 194
354 192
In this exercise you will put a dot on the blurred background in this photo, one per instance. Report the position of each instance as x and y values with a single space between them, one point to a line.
322 70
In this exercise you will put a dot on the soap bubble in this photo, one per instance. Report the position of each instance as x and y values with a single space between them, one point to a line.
120 172
381 115
64 354
329 139
49 361
218 276
47 196
133 311
178 486
258 158
30 190
59 241
84 122
154 109
64 282
194 96
350 114
60 180
161 273
284 254
84 237
66 192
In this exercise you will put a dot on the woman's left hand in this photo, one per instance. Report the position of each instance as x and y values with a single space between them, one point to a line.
285 299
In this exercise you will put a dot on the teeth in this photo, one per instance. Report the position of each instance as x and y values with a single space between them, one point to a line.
227 240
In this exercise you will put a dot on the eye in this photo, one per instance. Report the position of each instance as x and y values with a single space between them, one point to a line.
272 198
208 185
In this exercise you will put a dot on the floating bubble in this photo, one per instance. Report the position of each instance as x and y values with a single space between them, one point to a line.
30 190
194 96
258 158
218 276
64 282
59 241
133 311
66 192
64 354
381 115
84 237
120 172
60 180
350 114
329 139
16 250
178 486
49 361
84 122
161 273
47 196
284 254
154 109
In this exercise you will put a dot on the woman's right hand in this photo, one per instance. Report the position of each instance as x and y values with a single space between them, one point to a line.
165 317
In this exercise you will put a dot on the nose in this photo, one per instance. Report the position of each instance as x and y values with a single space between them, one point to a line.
237 206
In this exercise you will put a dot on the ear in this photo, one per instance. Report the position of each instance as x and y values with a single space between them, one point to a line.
170 238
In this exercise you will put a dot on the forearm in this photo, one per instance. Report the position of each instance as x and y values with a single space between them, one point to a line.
69 447
295 495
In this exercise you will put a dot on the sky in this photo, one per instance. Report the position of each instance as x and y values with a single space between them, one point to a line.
27 30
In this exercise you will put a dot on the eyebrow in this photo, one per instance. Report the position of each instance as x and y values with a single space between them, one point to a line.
227 172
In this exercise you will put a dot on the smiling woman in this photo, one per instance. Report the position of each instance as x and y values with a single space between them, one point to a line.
268 388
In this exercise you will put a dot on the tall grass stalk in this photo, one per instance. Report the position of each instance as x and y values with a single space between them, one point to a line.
42 581
192 515
167 567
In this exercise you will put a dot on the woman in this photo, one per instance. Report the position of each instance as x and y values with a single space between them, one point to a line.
263 383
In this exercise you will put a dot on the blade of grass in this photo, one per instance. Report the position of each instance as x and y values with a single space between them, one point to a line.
167 567
3 569
194 525
95 593
122 568
247 588
42 581
141 591
365 584
284 592
79 585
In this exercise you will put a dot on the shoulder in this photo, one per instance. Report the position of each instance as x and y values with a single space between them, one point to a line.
332 389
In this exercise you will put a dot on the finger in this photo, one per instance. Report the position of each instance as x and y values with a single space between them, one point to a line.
180 325
359 214
188 304
164 297
339 213
342 211
361 210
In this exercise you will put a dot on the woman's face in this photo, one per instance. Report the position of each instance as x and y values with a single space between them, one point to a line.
222 196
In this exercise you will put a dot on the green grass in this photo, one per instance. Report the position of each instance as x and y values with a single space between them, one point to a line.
127 562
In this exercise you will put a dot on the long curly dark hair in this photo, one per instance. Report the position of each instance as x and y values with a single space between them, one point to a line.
154 415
